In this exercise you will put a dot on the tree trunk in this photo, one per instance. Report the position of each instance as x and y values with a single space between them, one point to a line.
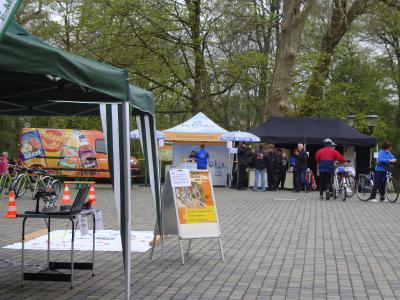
201 90
293 20
338 25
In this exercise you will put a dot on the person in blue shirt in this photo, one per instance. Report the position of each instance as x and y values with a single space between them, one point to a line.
385 157
202 158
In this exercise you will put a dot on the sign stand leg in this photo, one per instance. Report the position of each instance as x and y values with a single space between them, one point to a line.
182 254
222 250
187 252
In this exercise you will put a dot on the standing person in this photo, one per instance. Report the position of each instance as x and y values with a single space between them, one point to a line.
258 160
293 165
243 162
385 157
272 168
301 167
4 163
325 158
202 158
192 156
282 168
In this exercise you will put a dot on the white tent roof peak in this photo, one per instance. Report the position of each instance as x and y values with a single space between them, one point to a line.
199 123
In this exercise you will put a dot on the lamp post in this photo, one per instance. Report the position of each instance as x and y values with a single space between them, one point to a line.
371 122
350 119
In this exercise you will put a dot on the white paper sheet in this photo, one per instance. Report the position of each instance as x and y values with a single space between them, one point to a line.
106 240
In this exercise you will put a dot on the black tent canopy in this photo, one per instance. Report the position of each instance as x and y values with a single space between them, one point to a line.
311 131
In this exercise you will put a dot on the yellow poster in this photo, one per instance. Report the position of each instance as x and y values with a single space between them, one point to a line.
195 203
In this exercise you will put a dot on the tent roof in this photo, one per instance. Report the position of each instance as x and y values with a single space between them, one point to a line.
36 76
292 130
198 128
199 123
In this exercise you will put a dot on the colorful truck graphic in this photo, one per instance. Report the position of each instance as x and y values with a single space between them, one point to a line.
67 152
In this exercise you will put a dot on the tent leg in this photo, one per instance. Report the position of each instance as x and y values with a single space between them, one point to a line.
126 185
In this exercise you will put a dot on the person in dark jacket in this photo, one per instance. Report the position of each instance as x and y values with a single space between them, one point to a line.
325 158
385 157
243 161
283 166
293 166
301 167
258 160
271 160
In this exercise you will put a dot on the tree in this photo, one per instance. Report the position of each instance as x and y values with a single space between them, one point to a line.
339 23
383 29
295 13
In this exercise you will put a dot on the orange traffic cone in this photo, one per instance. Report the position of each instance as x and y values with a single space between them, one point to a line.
12 206
92 195
66 200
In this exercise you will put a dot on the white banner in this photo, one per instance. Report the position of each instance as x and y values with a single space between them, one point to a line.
8 9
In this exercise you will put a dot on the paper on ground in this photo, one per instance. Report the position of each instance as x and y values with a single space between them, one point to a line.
106 240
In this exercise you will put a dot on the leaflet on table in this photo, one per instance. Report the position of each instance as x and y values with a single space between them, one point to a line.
180 178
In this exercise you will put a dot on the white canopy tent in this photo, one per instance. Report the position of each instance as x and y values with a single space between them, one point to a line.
201 130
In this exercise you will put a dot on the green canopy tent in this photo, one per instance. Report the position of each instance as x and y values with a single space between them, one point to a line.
39 79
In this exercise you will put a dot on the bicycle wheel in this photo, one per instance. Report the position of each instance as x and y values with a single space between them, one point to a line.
352 182
350 186
363 188
20 186
392 190
56 187
39 187
342 189
2 182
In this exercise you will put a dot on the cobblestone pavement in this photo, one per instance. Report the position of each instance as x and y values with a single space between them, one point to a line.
278 249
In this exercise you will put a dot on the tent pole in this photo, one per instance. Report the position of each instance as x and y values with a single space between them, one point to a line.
127 187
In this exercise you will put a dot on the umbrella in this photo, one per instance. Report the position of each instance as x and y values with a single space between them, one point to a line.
134 134
239 136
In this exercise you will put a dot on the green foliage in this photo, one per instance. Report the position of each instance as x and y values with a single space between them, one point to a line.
238 42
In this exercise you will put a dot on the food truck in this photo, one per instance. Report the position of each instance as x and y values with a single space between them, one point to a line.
67 152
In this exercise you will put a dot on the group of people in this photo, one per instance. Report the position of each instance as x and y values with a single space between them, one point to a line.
274 163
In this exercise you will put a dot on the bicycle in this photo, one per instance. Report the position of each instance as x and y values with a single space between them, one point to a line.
350 183
39 183
6 181
365 184
340 185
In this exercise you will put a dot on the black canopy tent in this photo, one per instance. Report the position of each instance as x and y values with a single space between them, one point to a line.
38 79
311 131
286 132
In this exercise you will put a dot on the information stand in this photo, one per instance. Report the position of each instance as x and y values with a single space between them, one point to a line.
188 209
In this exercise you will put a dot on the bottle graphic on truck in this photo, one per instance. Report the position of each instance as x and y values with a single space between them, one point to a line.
86 154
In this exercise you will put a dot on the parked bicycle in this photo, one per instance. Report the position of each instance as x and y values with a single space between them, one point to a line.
6 181
340 184
36 180
365 184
